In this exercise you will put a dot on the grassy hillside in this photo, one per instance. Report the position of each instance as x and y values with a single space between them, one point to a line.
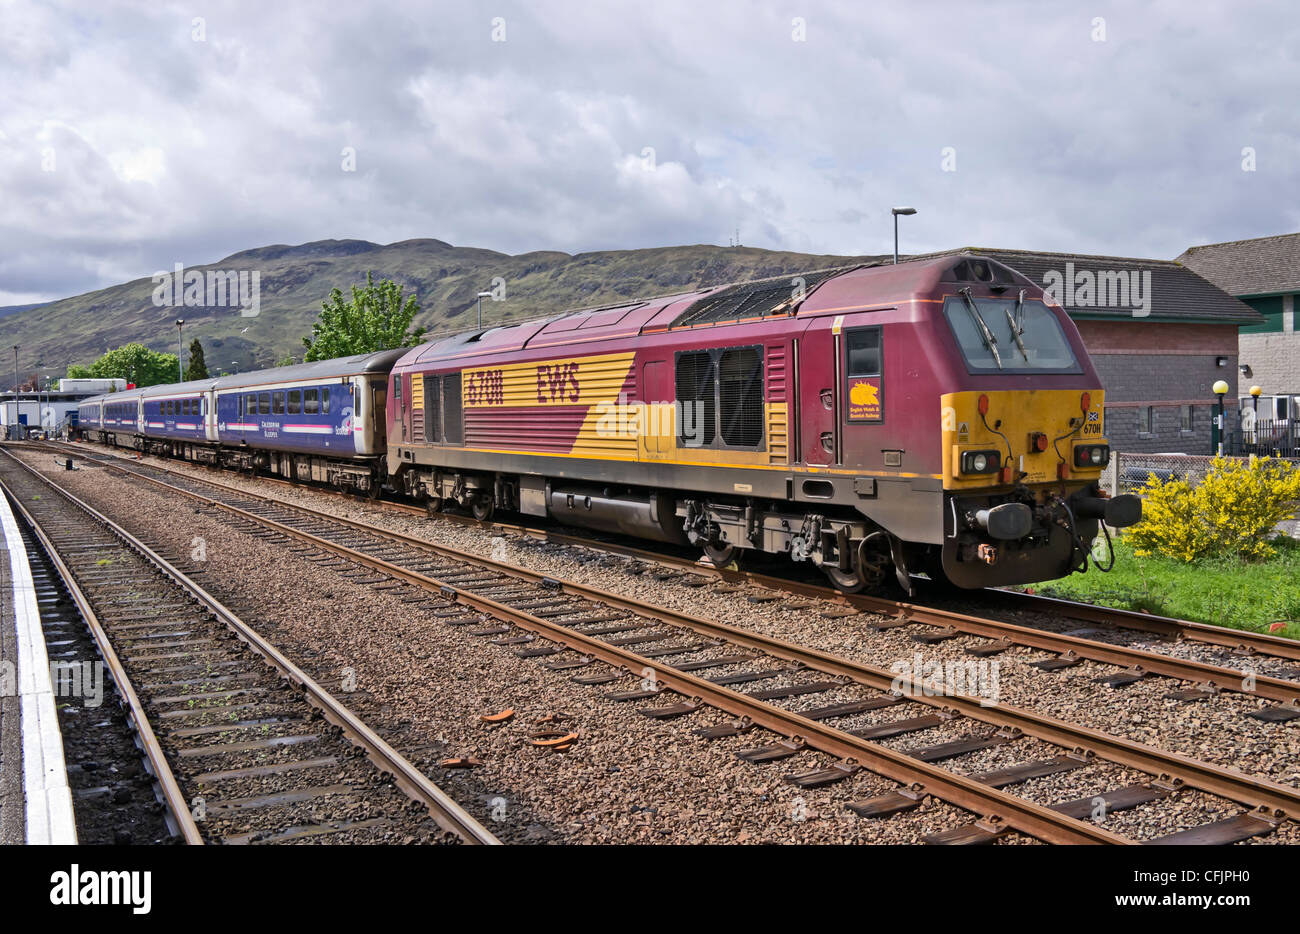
295 279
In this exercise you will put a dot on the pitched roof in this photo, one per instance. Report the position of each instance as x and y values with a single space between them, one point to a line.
1177 292
1249 267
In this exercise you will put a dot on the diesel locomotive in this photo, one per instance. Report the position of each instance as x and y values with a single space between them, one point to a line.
938 416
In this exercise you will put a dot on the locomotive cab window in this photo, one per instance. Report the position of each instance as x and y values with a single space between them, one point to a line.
1005 335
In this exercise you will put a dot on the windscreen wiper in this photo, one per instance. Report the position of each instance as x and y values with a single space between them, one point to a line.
986 335
1017 324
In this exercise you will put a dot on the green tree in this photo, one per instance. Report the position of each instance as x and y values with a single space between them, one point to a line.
375 318
134 363
198 368
286 360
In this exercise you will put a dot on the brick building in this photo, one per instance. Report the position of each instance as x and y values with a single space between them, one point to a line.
1159 335
1265 274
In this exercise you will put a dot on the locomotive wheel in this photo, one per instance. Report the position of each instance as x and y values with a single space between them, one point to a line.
483 508
845 581
720 556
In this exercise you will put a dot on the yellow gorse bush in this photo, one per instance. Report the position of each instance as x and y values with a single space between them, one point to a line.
1233 511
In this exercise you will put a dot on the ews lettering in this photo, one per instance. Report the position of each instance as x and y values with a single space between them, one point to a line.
484 387
557 382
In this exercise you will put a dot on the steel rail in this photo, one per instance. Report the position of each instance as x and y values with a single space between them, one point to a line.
445 812
1238 640
1255 792
173 798
1220 677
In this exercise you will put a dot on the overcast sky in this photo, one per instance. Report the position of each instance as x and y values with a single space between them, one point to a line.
137 135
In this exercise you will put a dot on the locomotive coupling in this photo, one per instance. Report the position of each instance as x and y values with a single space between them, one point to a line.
1119 512
1008 521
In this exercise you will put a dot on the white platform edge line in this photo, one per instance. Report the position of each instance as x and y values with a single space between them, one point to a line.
49 815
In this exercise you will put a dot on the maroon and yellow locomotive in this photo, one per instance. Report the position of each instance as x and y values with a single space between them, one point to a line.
939 415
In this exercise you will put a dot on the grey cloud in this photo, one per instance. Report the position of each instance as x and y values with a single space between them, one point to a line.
169 150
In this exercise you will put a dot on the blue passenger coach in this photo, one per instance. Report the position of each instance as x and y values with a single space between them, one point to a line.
322 421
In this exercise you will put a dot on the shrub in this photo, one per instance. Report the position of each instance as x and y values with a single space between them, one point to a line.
1233 511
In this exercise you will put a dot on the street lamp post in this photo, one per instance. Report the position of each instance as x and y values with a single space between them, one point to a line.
1220 388
17 398
481 296
896 212
180 350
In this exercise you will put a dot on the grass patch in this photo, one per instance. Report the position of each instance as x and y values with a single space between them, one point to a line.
1224 591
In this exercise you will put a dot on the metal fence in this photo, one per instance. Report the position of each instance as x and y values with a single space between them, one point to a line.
1132 470
1264 437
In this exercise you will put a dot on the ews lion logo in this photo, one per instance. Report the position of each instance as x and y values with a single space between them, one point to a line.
864 400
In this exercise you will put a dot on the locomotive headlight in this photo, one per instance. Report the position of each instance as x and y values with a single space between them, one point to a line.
980 462
1091 455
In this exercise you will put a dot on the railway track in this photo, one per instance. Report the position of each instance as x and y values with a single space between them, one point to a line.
245 747
573 628
1241 642
932 624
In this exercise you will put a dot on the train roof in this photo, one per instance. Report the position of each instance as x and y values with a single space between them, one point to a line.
818 291
356 365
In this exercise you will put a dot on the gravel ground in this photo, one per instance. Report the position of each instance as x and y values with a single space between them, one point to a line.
1213 730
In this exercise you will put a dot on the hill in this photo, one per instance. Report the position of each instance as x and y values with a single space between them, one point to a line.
295 279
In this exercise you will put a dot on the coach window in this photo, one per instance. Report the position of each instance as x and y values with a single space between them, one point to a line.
277 403
325 401
295 402
740 396
310 402
264 403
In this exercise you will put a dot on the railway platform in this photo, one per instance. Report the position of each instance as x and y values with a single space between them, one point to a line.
35 798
